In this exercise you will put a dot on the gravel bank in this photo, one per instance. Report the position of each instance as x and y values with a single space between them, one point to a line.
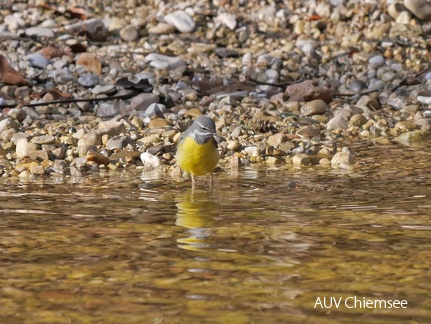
289 84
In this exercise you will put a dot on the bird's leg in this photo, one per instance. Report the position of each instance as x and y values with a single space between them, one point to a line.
211 181
193 181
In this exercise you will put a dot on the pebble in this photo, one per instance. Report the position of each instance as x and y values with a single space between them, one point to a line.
337 122
376 62
154 109
129 33
161 28
40 32
88 80
43 139
62 76
142 101
118 142
301 159
150 161
106 110
340 157
105 89
38 60
315 107
420 8
24 147
181 20
227 19
164 62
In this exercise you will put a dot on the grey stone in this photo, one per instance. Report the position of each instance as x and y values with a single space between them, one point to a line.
143 101
88 80
376 62
38 60
106 89
107 110
338 122
118 142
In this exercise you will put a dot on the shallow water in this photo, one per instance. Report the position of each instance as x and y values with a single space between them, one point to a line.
141 248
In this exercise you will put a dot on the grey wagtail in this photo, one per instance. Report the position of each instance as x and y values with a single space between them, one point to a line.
197 149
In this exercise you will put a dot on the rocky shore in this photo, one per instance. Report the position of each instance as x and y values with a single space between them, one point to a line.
289 83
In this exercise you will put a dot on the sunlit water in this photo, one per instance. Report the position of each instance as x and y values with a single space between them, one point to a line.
261 247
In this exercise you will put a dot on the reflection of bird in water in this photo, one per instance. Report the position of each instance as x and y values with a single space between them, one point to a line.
196 211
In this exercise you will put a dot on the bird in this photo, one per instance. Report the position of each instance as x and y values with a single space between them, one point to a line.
197 152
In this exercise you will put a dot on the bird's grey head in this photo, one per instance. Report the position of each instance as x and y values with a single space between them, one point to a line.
203 129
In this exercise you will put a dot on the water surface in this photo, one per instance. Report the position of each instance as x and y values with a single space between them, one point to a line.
261 247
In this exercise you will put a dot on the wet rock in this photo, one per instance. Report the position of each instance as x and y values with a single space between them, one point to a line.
181 20
342 157
413 137
315 107
97 158
301 159
36 168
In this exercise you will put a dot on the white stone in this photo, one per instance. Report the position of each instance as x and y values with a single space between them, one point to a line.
181 20
164 62
150 160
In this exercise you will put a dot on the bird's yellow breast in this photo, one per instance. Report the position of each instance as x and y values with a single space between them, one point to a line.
195 158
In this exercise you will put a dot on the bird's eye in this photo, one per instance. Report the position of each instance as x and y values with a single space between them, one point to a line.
205 129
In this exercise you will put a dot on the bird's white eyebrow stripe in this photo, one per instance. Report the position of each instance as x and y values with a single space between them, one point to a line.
201 125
